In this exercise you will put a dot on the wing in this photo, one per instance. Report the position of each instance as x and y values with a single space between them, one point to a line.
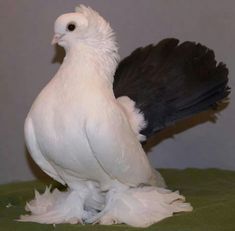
36 153
116 147
135 117
171 81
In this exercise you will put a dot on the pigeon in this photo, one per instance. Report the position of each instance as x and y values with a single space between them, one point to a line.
86 126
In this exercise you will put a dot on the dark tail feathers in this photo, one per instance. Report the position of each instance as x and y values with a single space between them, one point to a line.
171 81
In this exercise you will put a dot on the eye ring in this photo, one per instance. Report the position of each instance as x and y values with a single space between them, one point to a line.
71 26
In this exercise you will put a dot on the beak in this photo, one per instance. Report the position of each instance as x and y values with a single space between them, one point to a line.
56 38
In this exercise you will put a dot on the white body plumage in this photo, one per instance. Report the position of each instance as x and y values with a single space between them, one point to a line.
79 127
80 135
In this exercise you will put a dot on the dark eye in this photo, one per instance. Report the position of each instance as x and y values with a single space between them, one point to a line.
71 27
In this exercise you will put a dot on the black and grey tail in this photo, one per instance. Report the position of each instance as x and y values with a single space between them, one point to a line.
171 81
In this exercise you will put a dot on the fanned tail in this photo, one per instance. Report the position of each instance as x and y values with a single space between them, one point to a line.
171 81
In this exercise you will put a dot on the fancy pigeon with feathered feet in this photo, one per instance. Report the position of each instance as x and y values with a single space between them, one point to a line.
85 128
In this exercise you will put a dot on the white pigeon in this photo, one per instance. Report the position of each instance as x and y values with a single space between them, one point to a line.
84 137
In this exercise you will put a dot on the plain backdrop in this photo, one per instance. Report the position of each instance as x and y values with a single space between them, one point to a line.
27 62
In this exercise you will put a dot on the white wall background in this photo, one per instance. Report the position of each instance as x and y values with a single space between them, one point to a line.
26 65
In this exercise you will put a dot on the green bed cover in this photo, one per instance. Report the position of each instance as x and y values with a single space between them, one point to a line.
210 191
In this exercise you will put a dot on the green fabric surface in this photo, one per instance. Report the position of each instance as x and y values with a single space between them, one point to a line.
211 192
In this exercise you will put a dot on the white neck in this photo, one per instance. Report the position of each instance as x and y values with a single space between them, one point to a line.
88 59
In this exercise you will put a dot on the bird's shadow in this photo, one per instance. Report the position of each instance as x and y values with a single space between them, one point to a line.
36 171
183 125
59 54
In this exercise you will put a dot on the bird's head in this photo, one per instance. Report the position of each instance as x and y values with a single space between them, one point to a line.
84 27
88 35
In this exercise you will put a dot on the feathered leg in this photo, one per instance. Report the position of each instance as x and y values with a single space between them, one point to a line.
140 207
72 206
